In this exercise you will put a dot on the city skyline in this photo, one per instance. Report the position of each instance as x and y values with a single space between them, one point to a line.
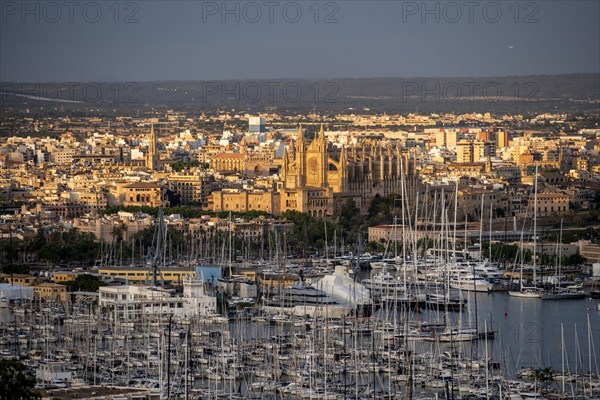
299 199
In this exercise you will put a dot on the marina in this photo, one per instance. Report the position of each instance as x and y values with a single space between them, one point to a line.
494 346
298 200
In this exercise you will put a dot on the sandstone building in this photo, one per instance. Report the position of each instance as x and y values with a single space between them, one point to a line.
318 178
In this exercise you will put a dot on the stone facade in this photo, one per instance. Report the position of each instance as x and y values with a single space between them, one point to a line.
318 178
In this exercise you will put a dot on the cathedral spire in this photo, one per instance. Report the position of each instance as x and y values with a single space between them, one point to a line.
322 137
343 169
300 138
343 158
152 157
286 161
152 136
300 158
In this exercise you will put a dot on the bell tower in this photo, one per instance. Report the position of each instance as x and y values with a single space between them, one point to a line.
301 158
316 161
152 156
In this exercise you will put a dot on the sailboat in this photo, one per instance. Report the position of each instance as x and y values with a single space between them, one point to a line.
595 291
558 292
531 292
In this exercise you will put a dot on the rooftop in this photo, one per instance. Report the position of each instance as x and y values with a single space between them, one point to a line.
142 185
92 392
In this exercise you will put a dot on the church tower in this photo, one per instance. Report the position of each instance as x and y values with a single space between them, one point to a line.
243 146
301 158
343 170
317 161
152 156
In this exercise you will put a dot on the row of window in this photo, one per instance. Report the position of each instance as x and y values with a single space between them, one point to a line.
317 203
165 274
139 198
153 305
564 208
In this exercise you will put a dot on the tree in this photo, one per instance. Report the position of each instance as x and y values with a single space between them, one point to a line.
573 259
309 233
144 239
15 383
424 244
350 221
15 269
506 253
543 375
375 247
174 198
39 241
180 166
70 246
86 283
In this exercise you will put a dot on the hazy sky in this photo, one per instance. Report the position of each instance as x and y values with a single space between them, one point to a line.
187 40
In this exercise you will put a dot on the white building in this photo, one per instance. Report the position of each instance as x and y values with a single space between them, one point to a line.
256 124
10 292
53 372
137 154
131 301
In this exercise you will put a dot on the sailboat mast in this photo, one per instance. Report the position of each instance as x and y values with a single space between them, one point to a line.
535 226
589 335
403 226
481 230
157 250
455 211
230 245
490 240
560 253
562 357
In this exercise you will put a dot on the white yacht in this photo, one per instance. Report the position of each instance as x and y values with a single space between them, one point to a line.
527 292
470 283
302 299
488 271
383 282
458 335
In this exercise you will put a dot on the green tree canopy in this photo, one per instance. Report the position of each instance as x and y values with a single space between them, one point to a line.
85 283
15 383
70 246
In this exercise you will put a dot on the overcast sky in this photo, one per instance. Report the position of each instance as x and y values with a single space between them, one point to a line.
195 40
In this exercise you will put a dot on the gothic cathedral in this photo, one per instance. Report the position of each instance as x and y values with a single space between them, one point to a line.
318 178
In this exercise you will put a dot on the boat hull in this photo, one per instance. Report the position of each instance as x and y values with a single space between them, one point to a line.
563 296
525 294
322 311
469 287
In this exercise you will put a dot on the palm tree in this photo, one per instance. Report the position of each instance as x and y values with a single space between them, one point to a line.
544 375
